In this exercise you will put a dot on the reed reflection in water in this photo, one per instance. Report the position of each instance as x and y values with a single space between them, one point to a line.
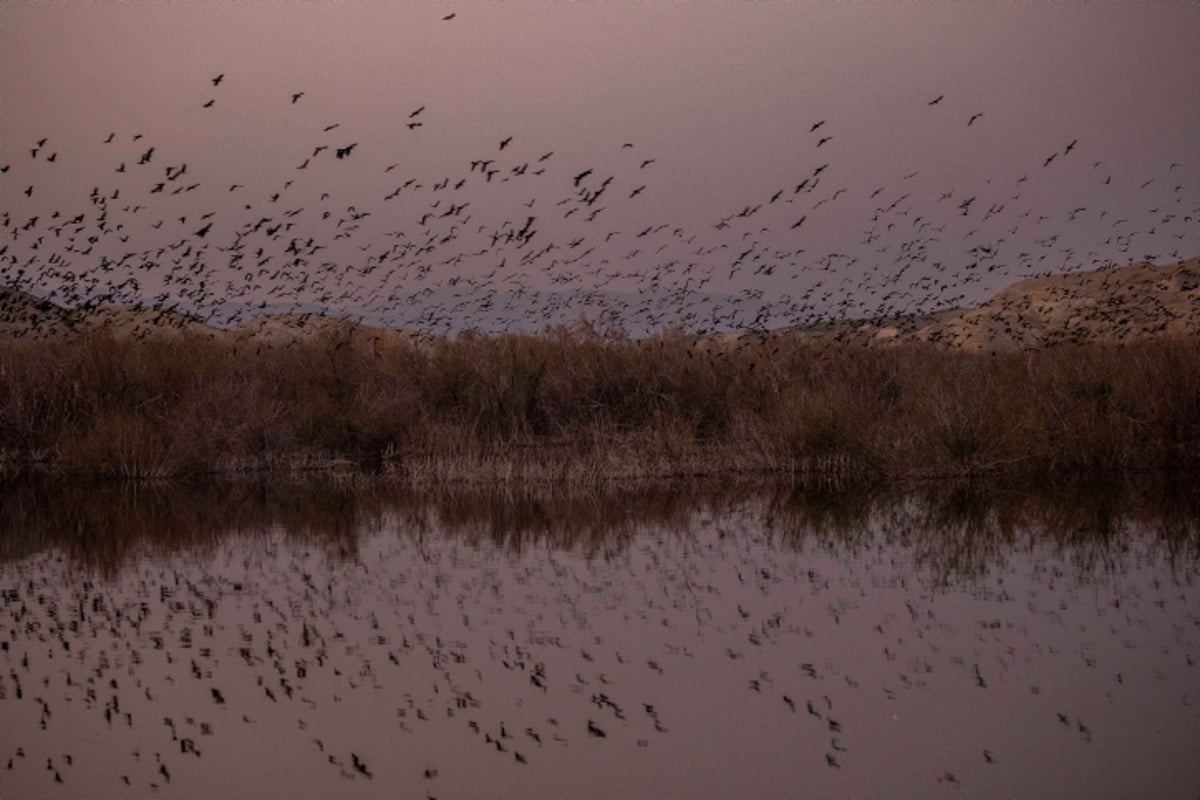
345 638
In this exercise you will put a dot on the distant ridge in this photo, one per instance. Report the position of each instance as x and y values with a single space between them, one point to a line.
24 315
1115 305
285 328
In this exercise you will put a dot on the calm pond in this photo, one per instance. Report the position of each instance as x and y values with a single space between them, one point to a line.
347 639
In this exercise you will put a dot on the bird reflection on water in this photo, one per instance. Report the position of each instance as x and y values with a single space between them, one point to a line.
667 640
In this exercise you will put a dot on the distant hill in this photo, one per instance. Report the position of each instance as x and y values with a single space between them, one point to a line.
137 321
22 314
283 329
1119 304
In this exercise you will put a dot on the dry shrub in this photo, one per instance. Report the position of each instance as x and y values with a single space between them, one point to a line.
122 445
966 414
580 402
818 422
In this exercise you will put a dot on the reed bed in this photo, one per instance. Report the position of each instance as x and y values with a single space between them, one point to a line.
574 405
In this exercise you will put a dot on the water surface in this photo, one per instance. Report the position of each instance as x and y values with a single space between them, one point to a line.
350 639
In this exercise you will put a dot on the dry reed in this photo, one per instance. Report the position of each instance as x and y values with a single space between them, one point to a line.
573 405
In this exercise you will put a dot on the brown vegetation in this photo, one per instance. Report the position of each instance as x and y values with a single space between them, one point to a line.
574 405
1094 372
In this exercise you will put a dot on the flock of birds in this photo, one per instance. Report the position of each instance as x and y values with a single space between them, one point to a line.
716 663
518 237
731 658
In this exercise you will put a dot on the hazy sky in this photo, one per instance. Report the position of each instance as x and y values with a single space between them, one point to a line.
719 98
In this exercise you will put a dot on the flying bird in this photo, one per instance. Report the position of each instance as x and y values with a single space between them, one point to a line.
936 100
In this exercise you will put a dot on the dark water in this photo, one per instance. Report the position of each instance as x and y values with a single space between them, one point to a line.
352 640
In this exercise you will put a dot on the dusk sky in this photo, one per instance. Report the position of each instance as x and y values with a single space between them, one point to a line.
759 163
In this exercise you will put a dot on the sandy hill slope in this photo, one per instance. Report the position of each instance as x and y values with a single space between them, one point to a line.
141 322
24 316
1122 304
284 329
1119 304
